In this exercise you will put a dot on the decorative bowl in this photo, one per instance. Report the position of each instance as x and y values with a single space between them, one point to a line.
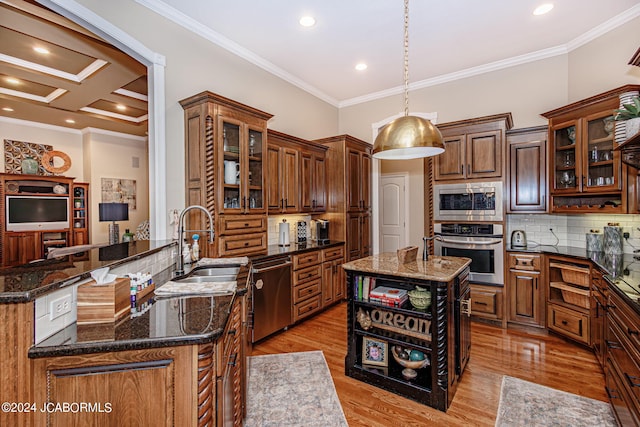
420 298
406 363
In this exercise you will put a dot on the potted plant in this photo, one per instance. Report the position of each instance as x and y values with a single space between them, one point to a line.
630 114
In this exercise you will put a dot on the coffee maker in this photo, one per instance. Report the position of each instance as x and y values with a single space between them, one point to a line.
321 231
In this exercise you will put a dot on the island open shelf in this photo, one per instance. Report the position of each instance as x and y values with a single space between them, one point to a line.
418 353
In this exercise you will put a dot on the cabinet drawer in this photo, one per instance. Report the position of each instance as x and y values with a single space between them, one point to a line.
303 292
623 357
333 253
242 244
307 274
486 302
306 259
620 401
306 308
568 322
627 319
524 262
230 338
242 224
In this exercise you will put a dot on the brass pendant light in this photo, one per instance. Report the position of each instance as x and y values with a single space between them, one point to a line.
407 137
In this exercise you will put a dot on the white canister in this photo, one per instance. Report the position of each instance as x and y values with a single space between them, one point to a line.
613 239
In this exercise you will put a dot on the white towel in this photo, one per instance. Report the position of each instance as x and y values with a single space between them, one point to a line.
218 261
204 288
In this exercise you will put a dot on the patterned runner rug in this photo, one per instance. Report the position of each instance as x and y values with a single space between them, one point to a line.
523 403
292 389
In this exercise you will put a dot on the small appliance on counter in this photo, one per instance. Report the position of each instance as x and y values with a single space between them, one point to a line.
518 239
321 229
283 233
302 231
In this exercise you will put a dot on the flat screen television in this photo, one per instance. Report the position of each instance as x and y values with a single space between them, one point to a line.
29 213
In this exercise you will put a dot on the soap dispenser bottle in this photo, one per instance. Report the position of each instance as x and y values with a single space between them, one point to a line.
186 254
195 248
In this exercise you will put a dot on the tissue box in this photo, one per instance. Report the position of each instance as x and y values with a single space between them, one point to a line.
103 303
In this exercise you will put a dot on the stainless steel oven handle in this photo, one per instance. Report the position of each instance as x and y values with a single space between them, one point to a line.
473 242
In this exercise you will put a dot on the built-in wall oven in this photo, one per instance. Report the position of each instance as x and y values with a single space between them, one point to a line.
474 201
482 242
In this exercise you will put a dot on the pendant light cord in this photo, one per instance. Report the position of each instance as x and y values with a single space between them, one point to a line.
406 58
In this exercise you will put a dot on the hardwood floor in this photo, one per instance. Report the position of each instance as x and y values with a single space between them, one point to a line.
535 357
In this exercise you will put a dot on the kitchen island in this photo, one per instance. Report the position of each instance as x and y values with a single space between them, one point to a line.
402 346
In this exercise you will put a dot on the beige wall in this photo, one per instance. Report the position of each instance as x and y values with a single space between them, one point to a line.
61 139
194 64
525 90
111 157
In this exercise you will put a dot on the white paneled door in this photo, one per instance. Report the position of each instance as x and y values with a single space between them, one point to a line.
393 212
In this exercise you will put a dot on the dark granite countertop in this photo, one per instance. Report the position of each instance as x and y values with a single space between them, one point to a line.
155 322
27 282
295 248
622 272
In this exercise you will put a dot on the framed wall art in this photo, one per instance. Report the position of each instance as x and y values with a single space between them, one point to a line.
118 190
374 352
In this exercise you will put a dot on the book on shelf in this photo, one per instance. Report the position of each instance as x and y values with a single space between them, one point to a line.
362 287
391 297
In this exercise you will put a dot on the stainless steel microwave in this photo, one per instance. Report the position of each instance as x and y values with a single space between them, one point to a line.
474 201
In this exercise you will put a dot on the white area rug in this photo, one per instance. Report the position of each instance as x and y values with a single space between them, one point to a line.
292 389
523 403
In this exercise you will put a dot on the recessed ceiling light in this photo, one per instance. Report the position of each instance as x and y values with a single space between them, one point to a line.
12 80
543 8
9 109
121 107
361 66
42 50
307 21
70 121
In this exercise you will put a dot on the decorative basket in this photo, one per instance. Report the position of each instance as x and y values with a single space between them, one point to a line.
574 298
411 364
407 255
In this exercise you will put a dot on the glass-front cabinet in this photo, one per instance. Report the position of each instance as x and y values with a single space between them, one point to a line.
583 157
242 171
586 173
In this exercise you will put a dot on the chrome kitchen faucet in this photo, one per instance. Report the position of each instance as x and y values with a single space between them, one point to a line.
180 263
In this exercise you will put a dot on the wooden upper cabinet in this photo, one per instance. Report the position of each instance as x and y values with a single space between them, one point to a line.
283 185
359 183
313 186
586 173
297 177
527 177
474 149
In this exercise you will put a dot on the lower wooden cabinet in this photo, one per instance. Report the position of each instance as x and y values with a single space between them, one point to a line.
622 373
141 387
21 247
568 322
307 284
486 302
333 285
359 235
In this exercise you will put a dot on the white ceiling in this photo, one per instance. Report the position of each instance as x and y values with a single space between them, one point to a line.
448 39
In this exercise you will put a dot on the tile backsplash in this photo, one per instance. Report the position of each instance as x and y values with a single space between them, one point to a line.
571 230
274 223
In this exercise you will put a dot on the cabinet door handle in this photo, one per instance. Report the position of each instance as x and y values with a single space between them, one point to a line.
632 331
612 393
633 381
282 203
613 345
244 202
462 169
564 322
286 203
535 283
232 359
469 168
480 303
231 332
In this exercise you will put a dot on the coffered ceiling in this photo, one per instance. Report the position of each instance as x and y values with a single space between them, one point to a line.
55 72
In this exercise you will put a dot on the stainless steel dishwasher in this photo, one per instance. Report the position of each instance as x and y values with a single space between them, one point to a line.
271 296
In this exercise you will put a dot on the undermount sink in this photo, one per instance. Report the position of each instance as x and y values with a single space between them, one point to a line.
206 274
206 279
215 271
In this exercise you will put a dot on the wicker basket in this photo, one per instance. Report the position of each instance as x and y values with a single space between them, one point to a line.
572 295
573 274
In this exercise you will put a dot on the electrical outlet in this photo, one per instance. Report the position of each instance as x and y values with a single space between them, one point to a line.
59 307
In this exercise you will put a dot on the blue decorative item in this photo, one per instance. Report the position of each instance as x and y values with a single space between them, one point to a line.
416 355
